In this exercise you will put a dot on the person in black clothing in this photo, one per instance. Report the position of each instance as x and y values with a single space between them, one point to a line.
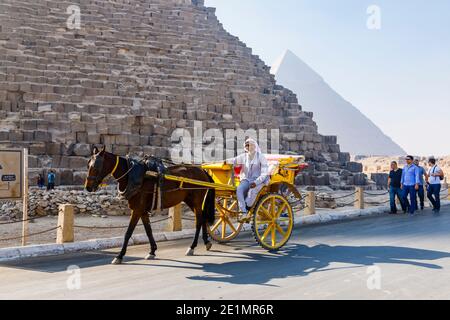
40 181
421 191
394 186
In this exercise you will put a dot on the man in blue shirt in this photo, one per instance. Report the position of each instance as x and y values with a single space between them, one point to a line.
421 191
51 180
410 183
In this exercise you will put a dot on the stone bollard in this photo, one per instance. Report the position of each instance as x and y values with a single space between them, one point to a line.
66 221
445 187
175 220
310 203
359 197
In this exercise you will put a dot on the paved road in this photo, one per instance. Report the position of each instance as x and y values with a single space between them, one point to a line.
411 254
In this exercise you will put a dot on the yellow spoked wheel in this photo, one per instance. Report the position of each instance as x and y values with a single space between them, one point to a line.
226 227
273 222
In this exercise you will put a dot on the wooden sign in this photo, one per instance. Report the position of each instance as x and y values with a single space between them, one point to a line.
11 174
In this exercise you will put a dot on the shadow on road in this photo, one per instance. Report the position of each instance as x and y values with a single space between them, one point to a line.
55 264
300 260
256 267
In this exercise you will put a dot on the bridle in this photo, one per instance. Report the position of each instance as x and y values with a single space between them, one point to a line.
98 165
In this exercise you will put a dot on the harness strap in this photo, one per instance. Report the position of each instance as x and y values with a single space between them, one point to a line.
204 200
154 204
116 166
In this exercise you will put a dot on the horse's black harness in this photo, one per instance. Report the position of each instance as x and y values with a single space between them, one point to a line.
137 174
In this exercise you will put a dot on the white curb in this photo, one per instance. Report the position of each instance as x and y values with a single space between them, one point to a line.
19 253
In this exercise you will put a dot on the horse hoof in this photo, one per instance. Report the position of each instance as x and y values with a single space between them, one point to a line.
150 257
208 246
116 261
190 252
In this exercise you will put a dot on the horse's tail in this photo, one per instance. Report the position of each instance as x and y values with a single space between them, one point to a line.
209 205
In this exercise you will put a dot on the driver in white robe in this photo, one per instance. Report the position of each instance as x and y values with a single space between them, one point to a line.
254 175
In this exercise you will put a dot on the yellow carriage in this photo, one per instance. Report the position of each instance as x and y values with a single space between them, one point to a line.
271 216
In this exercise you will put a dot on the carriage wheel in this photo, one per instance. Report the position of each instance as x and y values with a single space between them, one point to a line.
226 227
273 222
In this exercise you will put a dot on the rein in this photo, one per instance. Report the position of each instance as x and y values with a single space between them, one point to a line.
115 169
96 178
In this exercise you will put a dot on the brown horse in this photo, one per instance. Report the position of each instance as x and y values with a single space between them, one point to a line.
201 201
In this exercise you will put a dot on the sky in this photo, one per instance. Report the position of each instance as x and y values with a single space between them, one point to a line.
397 72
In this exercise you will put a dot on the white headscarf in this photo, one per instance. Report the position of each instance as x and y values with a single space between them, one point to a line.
253 142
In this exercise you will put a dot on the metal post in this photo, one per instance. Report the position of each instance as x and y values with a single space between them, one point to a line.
25 227
174 222
66 221
445 187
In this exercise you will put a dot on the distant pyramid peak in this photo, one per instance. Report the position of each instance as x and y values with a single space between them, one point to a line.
290 61
356 133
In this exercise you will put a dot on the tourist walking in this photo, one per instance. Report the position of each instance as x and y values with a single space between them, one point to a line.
394 187
410 184
421 191
51 180
434 177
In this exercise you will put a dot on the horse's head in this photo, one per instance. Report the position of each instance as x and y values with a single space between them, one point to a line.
98 169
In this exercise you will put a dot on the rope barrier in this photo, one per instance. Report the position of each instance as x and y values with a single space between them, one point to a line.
100 228
346 204
161 220
377 203
346 196
30 235
376 194
114 227
19 221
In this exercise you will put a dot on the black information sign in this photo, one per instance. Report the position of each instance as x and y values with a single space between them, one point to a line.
9 178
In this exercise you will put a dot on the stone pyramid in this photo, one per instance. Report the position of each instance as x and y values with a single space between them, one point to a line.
132 73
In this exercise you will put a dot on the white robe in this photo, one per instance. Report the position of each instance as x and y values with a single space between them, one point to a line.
253 171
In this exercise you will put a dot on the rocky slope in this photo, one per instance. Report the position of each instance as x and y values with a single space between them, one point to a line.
133 73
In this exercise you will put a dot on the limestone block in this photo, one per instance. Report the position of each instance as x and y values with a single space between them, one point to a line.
93 138
79 177
53 148
43 136
4 136
78 163
82 149
15 136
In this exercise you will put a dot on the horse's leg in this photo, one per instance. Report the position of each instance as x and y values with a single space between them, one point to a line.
133 222
190 251
208 243
148 229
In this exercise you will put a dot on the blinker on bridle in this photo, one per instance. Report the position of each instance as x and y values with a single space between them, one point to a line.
98 166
